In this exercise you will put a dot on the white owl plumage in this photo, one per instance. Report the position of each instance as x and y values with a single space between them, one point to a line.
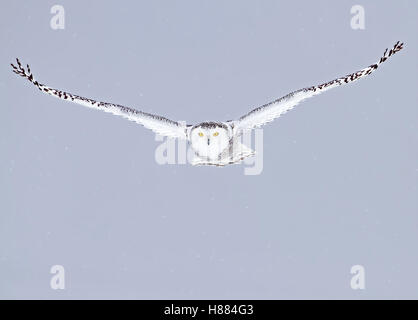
214 143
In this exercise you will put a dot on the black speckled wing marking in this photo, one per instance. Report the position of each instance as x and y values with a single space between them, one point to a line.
158 124
275 109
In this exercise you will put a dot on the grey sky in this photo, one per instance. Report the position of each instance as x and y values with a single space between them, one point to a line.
82 189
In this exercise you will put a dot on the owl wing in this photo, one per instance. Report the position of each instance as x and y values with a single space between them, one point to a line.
275 109
158 124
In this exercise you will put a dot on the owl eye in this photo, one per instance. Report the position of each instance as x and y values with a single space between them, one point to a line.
200 134
216 134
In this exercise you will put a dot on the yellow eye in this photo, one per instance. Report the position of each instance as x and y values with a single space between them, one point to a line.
200 134
216 134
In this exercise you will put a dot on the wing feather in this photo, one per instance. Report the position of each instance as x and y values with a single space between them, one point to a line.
158 124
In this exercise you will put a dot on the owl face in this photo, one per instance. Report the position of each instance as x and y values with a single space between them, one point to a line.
209 140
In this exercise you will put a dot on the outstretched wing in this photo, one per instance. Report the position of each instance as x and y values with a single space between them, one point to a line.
160 125
275 109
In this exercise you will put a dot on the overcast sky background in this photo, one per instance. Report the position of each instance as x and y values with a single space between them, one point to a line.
81 188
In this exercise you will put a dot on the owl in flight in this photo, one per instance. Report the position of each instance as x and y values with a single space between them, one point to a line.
213 142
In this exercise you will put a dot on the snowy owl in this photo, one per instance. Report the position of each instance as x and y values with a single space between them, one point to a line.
213 142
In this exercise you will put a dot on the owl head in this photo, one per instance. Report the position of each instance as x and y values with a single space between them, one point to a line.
210 139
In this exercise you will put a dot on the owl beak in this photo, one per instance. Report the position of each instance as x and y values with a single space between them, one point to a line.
208 141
